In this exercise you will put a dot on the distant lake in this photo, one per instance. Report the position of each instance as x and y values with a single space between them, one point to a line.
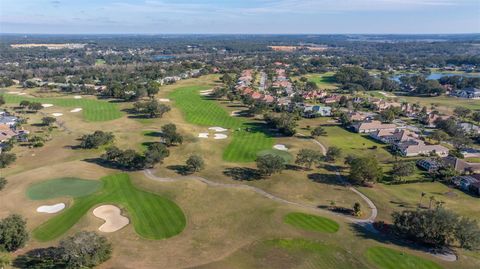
437 75
162 57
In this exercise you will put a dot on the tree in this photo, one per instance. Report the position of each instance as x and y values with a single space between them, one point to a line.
13 233
3 183
439 136
153 88
156 153
2 100
97 139
421 198
151 109
437 227
461 112
24 104
365 169
170 135
476 116
127 159
195 163
403 169
34 106
269 164
333 153
48 121
85 249
308 157
357 209
318 131
6 159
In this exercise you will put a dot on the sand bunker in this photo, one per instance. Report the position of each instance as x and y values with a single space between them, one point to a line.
50 209
76 110
47 105
164 100
13 92
218 129
77 97
57 114
203 135
22 93
206 92
114 221
280 147
220 136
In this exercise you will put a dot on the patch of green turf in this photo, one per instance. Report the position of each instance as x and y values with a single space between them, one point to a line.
287 157
93 110
387 258
199 110
152 216
73 187
311 222
100 62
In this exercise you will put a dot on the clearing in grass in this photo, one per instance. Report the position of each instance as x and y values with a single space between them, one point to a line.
93 110
248 137
387 258
311 222
153 216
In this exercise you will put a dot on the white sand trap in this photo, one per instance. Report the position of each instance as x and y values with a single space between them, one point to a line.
220 136
165 100
76 110
13 92
47 105
22 93
77 97
57 114
114 220
218 129
50 209
206 92
280 147
203 135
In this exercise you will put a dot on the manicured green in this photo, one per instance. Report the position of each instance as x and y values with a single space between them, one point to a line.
387 258
74 187
152 216
202 111
287 157
93 110
323 80
311 222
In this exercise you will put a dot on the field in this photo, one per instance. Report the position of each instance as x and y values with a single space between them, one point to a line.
445 104
244 145
324 81
92 110
387 258
153 217
311 222
73 187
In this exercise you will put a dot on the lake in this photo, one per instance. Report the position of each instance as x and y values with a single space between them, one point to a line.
437 75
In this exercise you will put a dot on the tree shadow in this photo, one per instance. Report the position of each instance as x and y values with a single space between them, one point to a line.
106 164
243 173
181 169
39 258
330 179
154 134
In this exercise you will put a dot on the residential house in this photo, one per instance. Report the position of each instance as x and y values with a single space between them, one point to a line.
310 111
415 147
389 136
314 95
461 165
8 120
332 99
371 126
470 93
469 128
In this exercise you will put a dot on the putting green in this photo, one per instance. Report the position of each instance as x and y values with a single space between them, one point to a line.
387 258
199 110
93 110
287 157
74 187
311 222
153 217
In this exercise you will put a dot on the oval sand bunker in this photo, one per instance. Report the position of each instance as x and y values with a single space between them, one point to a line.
76 110
51 208
114 221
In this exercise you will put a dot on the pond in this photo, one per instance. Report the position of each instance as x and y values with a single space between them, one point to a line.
437 75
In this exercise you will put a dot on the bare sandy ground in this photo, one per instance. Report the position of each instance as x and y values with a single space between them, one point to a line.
51 208
114 220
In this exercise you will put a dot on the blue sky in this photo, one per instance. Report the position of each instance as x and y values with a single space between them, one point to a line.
242 16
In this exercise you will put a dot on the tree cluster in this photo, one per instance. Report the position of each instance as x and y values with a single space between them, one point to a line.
13 233
285 123
131 160
151 109
97 139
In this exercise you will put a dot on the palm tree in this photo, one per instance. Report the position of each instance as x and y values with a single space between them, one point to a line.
421 198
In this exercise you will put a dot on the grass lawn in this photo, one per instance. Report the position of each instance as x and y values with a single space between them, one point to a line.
387 258
446 103
153 217
100 62
93 110
54 188
323 81
311 222
472 160
198 110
